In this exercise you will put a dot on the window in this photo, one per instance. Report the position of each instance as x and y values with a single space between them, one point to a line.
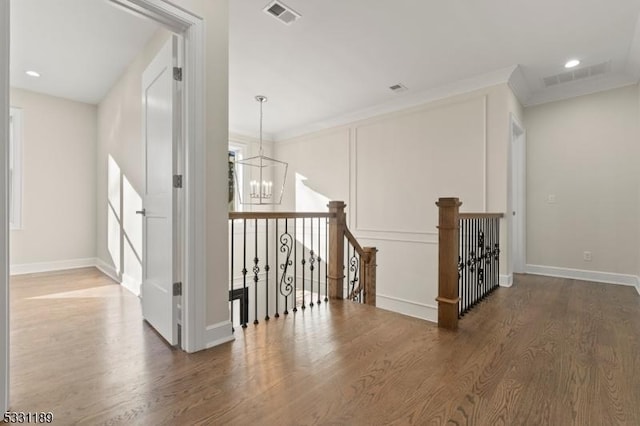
15 168
235 154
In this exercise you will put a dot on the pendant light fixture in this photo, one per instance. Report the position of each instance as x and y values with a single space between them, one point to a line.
260 180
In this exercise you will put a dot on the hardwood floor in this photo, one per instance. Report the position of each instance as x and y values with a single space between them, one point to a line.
546 352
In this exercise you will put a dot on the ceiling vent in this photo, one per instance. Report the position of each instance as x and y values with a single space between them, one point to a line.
398 88
282 12
578 74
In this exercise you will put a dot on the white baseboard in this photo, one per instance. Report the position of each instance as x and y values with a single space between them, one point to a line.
107 269
505 280
407 307
131 284
580 274
217 334
60 265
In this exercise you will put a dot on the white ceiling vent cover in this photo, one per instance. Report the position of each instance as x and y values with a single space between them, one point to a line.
282 12
577 74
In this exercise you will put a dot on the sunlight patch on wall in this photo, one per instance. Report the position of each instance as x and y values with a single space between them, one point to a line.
113 213
310 200
132 228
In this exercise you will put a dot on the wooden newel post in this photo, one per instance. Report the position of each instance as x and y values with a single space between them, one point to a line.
369 273
337 224
448 234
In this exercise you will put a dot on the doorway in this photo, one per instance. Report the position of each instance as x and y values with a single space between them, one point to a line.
517 136
192 253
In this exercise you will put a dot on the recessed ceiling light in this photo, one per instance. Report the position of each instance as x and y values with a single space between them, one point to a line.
572 63
32 73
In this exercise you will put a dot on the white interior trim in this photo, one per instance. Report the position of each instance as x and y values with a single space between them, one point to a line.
16 127
505 280
107 269
583 275
4 205
218 334
407 307
192 29
409 100
58 265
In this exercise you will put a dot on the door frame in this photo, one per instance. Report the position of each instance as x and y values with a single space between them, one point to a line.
193 167
4 205
517 149
191 28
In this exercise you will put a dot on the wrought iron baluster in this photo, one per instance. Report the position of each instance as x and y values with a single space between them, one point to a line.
295 265
287 244
326 256
319 263
304 225
460 267
475 261
256 271
348 246
243 318
231 279
266 268
312 261
354 265
277 251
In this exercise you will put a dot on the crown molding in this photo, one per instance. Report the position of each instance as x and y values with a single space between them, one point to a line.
407 100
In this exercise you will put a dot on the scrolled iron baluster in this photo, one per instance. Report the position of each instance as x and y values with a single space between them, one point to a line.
471 262
354 265
286 281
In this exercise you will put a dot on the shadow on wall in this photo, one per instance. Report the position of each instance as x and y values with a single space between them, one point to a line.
124 228
310 200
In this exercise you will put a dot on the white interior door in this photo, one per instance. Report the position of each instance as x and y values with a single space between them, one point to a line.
159 306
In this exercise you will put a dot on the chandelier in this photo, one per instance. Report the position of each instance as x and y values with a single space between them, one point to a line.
260 180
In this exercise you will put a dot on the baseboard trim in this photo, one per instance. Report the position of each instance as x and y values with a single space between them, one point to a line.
131 284
107 269
217 334
505 280
407 307
60 265
580 274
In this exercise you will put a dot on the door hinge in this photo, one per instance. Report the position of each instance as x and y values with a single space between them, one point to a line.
177 73
177 181
177 289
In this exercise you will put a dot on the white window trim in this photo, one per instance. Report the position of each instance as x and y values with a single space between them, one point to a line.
241 150
16 169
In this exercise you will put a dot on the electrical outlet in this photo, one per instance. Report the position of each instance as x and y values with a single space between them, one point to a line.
587 256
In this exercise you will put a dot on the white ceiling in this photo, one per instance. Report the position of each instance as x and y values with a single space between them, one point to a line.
342 56
80 47
337 62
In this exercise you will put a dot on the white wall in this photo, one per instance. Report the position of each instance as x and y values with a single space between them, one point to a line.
390 170
58 213
119 182
584 151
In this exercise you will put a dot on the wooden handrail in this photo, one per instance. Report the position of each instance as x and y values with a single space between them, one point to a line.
356 245
279 215
480 215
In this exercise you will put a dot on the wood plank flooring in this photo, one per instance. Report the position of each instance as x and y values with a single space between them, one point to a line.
547 351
